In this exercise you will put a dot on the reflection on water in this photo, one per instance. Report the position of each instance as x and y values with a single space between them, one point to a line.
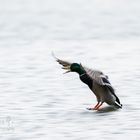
107 109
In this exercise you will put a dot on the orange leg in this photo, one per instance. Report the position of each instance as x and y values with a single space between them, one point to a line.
94 108
97 107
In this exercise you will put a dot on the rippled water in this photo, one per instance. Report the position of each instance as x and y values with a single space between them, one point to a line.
37 100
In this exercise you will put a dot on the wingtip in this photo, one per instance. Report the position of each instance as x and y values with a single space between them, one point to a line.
53 55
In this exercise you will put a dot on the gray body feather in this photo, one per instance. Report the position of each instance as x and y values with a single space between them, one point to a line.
102 88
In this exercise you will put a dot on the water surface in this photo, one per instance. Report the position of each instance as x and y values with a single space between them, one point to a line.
37 100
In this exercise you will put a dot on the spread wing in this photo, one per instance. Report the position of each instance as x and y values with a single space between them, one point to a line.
99 78
102 80
62 62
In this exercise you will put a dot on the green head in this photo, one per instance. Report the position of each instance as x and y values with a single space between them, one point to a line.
75 67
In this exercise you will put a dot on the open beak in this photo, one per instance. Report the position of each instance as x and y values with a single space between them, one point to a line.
66 68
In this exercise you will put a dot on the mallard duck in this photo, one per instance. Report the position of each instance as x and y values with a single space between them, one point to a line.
97 82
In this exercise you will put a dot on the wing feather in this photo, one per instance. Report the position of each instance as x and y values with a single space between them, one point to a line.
99 78
61 62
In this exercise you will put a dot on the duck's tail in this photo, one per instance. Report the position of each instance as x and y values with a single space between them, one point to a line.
118 105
